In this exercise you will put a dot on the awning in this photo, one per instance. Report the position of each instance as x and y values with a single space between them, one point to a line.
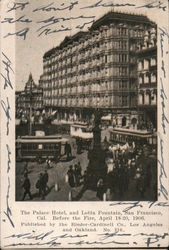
106 118
54 112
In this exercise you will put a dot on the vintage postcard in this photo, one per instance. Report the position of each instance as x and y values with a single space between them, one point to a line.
84 124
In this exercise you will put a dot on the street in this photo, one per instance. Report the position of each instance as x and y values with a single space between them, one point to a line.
57 174
60 190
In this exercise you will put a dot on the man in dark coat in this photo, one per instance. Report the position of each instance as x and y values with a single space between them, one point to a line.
71 177
45 180
41 186
68 150
26 185
77 180
79 169
78 173
101 189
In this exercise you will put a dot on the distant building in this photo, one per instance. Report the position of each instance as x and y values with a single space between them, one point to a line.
147 77
32 95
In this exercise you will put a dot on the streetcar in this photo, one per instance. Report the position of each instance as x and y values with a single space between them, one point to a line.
83 135
39 147
121 136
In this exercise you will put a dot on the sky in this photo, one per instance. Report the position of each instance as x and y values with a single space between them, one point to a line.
30 51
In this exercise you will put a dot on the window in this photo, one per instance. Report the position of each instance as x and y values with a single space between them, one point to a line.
124 31
140 65
146 64
124 101
122 71
124 45
153 62
124 84
40 146
142 98
34 146
153 78
24 146
120 100
105 58
124 57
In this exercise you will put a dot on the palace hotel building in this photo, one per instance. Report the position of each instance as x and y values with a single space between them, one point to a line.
111 67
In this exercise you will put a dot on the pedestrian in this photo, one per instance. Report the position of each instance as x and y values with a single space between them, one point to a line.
38 186
26 169
121 180
79 169
71 177
48 162
106 144
105 139
100 189
76 175
41 186
79 145
133 168
110 165
68 150
85 178
26 185
45 180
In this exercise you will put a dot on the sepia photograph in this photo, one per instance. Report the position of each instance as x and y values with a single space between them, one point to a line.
84 124
86 130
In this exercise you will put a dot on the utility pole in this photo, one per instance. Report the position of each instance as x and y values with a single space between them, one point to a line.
30 110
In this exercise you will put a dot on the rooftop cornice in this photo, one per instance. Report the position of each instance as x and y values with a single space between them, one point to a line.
118 17
101 23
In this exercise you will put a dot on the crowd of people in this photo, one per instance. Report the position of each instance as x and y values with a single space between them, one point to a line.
41 185
74 175
73 178
126 165
131 166
130 169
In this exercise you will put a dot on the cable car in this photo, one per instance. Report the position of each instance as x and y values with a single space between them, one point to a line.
121 135
83 135
39 147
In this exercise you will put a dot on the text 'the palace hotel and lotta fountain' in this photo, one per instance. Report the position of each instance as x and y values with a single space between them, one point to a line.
111 67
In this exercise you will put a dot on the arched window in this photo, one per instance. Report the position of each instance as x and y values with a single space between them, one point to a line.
133 121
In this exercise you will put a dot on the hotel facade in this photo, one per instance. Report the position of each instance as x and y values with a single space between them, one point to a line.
111 67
